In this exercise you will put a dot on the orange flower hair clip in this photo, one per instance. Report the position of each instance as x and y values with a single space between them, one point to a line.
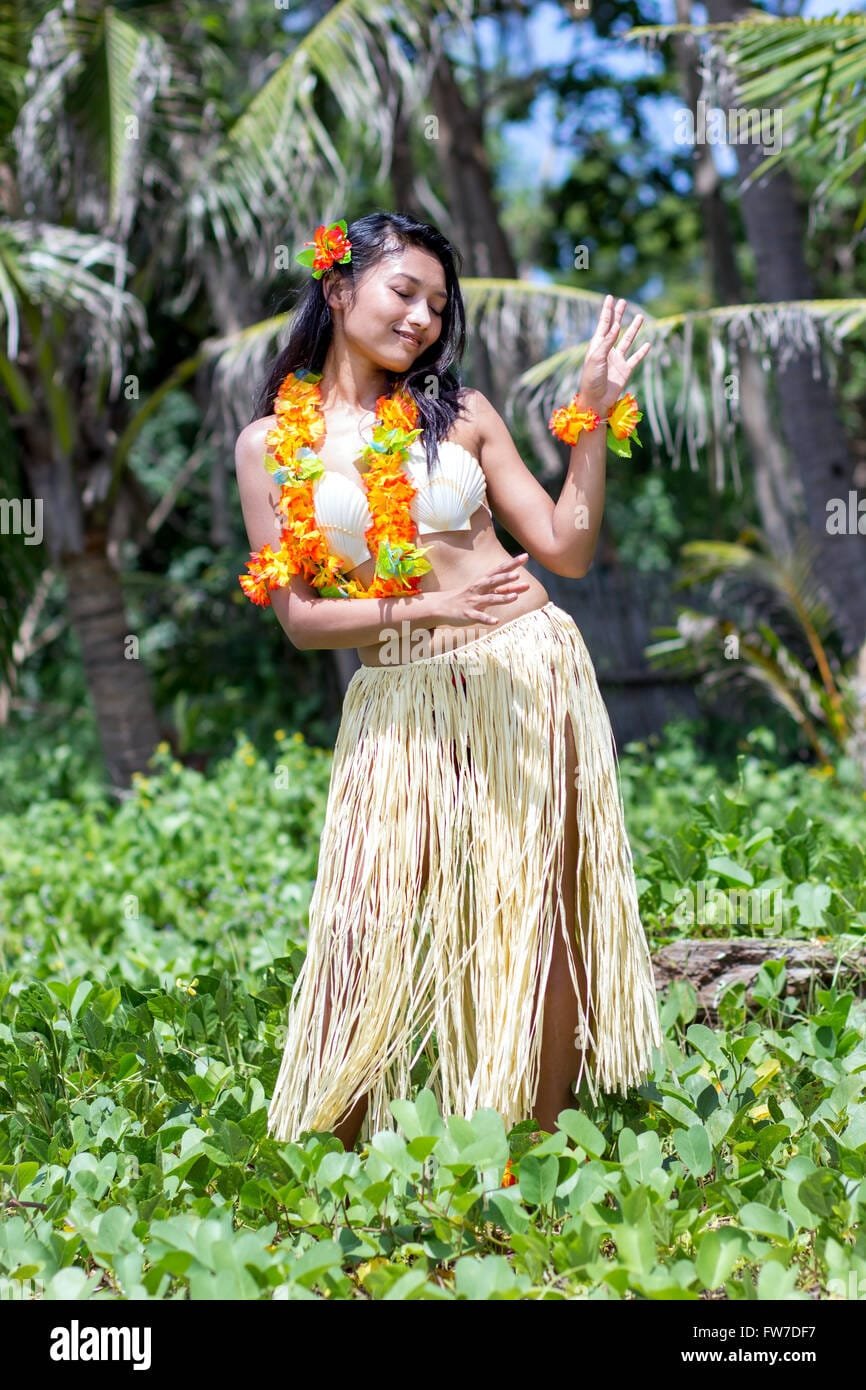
569 420
330 246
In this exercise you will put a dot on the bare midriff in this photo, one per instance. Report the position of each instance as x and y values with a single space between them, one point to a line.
457 558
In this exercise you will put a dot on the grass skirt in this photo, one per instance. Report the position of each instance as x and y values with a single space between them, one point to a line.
463 754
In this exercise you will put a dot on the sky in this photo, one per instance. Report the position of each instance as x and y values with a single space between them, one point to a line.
534 160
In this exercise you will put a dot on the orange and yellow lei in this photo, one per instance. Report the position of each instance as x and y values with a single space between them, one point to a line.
292 460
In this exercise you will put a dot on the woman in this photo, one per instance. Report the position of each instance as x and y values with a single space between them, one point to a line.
474 924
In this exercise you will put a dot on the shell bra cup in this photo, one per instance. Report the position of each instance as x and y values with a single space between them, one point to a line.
445 502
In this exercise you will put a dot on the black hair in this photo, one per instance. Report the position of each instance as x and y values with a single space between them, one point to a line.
374 237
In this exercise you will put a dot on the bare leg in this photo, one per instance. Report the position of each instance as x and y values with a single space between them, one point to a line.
348 1129
350 1123
560 1059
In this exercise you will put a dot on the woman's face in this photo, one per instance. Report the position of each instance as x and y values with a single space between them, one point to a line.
401 298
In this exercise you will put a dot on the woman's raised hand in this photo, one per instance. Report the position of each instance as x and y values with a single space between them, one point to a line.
469 604
606 369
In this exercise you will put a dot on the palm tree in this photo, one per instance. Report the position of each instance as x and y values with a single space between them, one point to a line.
114 173
247 179
811 74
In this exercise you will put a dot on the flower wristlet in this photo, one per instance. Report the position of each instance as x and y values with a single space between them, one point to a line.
570 420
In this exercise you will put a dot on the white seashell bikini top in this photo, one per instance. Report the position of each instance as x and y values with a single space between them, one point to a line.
445 502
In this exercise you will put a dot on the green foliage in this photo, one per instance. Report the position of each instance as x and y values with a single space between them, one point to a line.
645 522
778 854
147 957
793 663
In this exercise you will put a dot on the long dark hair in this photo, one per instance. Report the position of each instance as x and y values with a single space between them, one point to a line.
373 237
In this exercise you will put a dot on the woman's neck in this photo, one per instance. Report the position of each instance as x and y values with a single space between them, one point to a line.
354 386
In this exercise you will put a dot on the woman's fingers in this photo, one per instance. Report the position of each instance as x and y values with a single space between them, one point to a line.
512 577
601 327
611 316
613 332
499 598
508 567
631 333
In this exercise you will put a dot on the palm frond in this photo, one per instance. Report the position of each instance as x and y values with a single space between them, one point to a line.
698 645
764 669
690 647
791 578
762 654
812 70
243 186
704 349
369 57
133 65
800 680
559 320
240 362
58 268
44 143
16 25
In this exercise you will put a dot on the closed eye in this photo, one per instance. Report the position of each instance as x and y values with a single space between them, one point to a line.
408 296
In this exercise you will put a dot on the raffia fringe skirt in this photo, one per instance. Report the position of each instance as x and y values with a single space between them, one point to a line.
463 755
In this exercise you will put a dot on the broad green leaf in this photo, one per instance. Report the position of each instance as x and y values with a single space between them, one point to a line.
317 1260
693 1147
755 1216
718 1252
812 900
730 872
582 1130
538 1179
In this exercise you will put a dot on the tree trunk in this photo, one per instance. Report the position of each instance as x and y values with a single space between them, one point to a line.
480 236
809 419
116 676
119 688
777 488
403 174
231 306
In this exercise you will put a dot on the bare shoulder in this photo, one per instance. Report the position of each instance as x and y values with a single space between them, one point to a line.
468 429
481 414
250 444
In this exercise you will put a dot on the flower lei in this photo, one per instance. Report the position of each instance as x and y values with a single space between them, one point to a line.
292 460
568 421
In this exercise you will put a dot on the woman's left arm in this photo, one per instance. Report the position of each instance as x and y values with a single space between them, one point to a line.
561 536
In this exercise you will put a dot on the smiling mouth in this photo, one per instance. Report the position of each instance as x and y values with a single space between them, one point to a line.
407 338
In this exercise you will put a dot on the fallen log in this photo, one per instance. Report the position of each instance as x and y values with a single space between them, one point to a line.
711 965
